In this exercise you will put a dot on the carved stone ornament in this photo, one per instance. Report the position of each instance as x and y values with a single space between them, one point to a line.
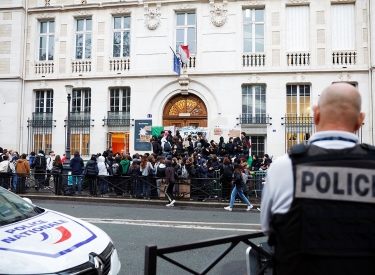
298 1
186 7
79 83
254 78
44 16
121 11
43 84
299 77
253 3
118 81
184 81
218 13
152 17
345 76
47 3
83 13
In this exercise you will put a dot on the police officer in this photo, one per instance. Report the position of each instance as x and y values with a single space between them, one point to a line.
318 203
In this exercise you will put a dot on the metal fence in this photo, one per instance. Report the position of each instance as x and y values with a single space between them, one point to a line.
194 189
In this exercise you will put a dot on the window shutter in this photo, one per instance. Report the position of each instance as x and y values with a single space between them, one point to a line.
343 32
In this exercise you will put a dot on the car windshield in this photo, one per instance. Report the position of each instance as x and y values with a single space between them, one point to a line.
14 208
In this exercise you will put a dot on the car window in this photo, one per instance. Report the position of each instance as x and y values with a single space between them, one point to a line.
14 208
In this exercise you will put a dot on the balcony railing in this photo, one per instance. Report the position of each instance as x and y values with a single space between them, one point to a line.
344 58
83 66
80 119
119 65
297 119
254 60
191 63
44 68
254 119
298 59
41 120
117 119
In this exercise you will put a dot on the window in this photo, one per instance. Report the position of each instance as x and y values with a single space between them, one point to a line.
298 121
254 102
81 100
83 38
186 31
343 27
257 146
121 36
44 101
253 30
46 40
297 28
120 100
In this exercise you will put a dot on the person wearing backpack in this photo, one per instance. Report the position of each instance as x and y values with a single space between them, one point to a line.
237 189
39 166
91 172
5 172
116 180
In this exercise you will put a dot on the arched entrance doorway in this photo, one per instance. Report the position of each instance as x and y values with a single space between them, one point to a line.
185 110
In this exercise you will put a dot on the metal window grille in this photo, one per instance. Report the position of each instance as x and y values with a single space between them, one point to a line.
298 129
39 130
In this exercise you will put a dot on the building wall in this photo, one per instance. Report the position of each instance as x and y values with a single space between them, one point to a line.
217 77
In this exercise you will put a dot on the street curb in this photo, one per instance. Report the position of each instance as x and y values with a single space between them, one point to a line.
161 202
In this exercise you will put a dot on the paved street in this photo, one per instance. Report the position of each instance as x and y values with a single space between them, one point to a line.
133 226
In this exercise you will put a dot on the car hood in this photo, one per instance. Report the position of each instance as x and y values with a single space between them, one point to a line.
49 242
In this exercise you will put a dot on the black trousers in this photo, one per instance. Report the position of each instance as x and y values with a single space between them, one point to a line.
169 191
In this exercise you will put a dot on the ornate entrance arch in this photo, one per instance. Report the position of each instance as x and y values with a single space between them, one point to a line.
185 110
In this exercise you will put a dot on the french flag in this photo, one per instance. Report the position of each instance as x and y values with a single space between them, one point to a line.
184 53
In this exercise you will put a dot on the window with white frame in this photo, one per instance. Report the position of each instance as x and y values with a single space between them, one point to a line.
119 99
44 101
254 103
186 31
343 27
46 40
81 100
298 100
253 30
121 36
297 28
83 38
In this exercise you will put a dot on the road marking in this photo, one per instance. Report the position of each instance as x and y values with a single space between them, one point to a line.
176 224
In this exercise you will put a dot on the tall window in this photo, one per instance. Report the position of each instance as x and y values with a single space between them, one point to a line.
253 30
186 31
257 145
44 101
297 28
254 102
81 100
121 36
120 100
298 121
46 40
343 27
83 38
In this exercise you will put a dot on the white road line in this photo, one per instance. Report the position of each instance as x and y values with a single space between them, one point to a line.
181 222
174 224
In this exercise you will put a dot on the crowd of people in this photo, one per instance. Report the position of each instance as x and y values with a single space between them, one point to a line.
171 159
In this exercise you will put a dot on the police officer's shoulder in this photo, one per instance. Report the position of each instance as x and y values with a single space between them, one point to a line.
368 147
297 150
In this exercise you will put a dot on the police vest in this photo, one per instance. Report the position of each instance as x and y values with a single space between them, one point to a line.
330 227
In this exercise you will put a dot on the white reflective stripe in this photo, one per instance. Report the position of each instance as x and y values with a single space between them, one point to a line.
335 183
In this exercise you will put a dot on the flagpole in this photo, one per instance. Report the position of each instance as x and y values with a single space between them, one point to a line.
172 50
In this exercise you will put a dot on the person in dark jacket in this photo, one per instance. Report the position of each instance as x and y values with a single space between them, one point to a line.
170 181
226 171
76 163
57 172
135 174
91 173
39 165
237 189
255 165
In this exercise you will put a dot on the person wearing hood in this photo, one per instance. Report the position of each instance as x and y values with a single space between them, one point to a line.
22 171
103 173
159 173
170 181
5 178
125 165
91 172
76 163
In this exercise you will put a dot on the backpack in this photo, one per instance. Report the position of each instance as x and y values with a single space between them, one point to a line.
56 170
116 169
40 162
167 147
245 186
184 173
227 170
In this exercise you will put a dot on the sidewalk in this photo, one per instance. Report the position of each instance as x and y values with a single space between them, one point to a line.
48 194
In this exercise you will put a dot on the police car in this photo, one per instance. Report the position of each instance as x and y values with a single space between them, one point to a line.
34 240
